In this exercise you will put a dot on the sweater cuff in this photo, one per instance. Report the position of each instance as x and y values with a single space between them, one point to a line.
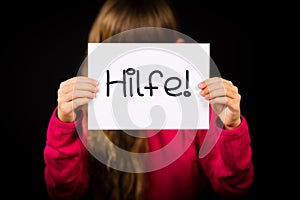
237 131
67 125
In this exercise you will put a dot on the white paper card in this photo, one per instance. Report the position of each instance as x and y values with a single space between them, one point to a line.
148 86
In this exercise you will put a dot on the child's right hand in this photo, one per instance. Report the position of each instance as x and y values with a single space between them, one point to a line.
73 94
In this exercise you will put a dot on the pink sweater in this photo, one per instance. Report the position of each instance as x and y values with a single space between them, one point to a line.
228 166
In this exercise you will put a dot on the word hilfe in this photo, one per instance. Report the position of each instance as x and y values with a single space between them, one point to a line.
130 73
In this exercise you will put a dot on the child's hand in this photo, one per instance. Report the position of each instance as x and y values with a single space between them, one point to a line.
224 98
74 93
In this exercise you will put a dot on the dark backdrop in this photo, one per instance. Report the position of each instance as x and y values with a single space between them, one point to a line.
45 43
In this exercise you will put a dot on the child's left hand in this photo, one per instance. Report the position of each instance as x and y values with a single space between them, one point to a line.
224 99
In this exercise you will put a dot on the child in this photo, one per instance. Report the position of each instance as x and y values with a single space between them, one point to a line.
71 171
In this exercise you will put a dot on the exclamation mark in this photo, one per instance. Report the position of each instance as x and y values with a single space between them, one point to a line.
186 93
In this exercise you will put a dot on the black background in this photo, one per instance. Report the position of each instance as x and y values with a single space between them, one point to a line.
45 45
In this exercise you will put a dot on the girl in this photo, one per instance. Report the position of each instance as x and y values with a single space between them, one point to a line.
72 173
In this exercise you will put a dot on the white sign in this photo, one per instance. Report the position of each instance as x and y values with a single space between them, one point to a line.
147 86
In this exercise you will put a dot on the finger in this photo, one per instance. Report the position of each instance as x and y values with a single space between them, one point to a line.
219 85
217 80
231 103
228 92
73 105
212 81
77 87
77 94
77 103
211 88
209 81
79 80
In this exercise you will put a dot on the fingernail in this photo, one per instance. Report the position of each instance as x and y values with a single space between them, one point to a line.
201 85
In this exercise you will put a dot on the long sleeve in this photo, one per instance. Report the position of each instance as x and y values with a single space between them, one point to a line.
66 173
228 165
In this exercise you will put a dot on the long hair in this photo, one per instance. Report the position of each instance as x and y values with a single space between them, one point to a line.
116 16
